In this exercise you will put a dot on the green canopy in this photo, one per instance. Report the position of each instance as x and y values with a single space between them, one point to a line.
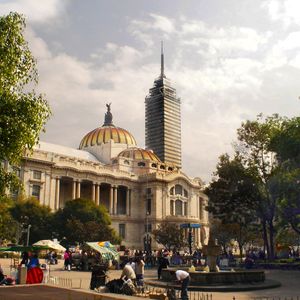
108 252
19 248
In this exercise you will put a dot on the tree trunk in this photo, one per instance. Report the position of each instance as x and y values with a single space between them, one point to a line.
271 238
265 238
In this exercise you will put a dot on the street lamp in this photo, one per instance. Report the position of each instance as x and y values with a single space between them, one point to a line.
28 234
147 240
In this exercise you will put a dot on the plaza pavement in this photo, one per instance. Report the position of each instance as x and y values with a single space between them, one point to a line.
290 287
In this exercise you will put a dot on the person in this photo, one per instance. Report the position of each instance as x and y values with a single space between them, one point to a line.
67 258
24 257
128 273
163 263
33 261
139 271
184 278
2 277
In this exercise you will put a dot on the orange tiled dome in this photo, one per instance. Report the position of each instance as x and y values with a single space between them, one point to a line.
139 154
104 134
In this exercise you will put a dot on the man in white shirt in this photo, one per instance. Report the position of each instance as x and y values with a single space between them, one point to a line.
184 278
128 273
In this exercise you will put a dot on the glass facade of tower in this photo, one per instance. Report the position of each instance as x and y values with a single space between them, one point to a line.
163 121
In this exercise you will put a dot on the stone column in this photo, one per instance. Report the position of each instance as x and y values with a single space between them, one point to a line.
115 200
111 200
97 194
174 212
199 237
94 192
57 189
74 189
128 202
78 189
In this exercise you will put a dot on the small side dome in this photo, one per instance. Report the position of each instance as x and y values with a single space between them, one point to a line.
139 154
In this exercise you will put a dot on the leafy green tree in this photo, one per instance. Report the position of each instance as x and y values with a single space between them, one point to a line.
23 113
233 200
286 144
30 212
254 146
8 226
81 220
169 235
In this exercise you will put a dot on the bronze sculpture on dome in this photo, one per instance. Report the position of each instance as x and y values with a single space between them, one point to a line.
108 116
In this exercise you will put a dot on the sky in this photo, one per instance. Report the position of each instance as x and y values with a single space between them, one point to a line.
229 60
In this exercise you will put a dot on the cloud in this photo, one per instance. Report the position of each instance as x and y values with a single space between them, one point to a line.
285 11
223 75
35 11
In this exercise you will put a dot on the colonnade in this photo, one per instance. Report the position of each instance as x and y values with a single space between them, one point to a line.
95 195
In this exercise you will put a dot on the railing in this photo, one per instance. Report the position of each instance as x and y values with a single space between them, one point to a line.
65 282
173 294
271 298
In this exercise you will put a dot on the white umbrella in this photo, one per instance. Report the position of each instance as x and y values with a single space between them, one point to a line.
51 245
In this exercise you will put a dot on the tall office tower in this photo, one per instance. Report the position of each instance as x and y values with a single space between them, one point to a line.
163 119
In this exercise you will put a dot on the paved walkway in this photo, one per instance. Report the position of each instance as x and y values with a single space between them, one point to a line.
290 285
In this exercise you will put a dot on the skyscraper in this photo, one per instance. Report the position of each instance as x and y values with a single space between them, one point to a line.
163 119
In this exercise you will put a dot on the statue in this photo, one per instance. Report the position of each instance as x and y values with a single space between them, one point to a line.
108 116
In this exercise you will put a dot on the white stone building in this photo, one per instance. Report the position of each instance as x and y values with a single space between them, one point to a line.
137 188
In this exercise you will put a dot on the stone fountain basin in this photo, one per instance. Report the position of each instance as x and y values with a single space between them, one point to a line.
217 278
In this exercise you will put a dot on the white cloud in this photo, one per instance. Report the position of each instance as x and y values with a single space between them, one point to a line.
35 11
223 75
286 11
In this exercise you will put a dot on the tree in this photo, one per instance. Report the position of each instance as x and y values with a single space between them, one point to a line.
256 152
8 226
169 235
286 144
233 200
32 216
23 113
81 220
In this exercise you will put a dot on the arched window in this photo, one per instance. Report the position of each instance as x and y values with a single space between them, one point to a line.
154 165
170 169
178 207
141 164
172 207
178 189
162 167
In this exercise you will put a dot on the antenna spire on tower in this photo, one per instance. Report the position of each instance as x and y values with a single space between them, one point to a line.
162 66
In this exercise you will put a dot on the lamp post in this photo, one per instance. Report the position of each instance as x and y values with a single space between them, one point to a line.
28 234
147 241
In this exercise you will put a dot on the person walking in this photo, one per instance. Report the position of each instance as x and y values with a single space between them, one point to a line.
184 278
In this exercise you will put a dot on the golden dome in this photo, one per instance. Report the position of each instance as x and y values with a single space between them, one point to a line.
139 154
104 134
